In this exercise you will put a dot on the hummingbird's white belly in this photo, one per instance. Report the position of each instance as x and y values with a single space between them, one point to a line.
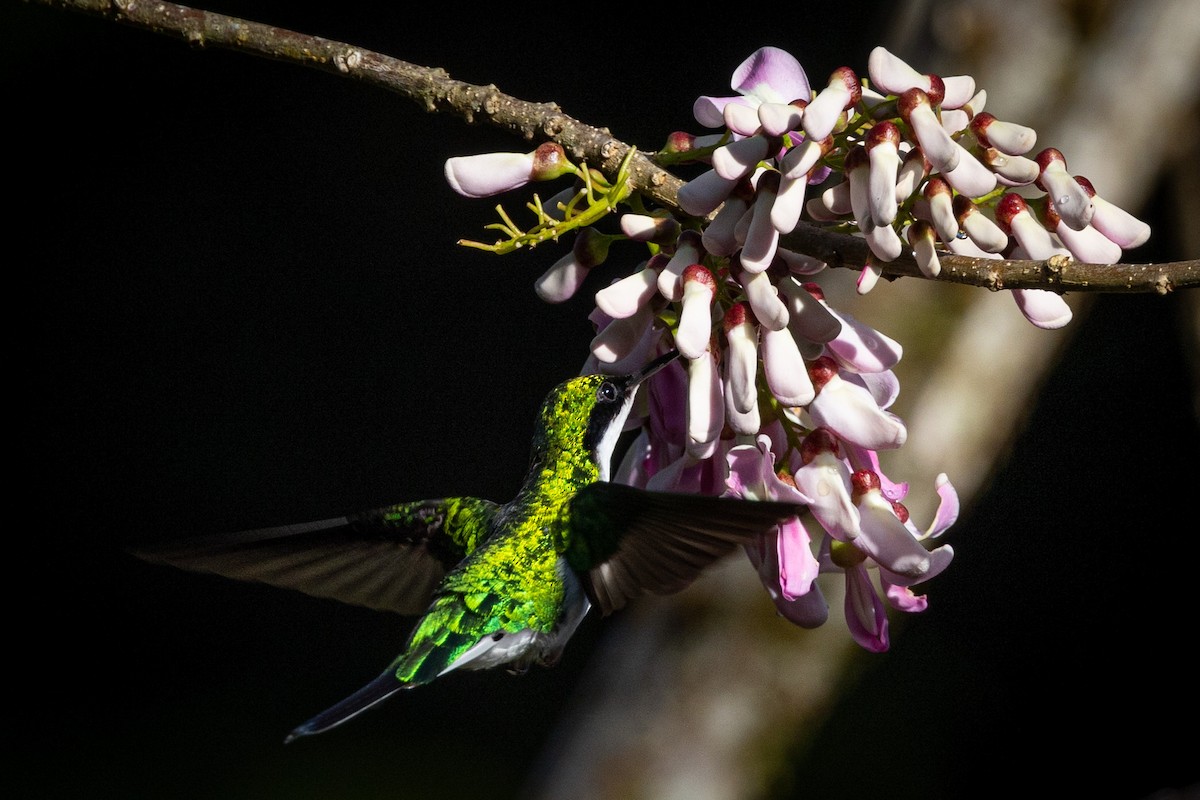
523 648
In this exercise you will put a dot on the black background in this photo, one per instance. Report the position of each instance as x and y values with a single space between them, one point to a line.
237 300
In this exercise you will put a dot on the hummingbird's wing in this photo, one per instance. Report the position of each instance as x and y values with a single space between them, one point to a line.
389 559
625 541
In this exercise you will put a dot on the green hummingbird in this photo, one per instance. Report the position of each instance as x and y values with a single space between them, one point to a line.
499 583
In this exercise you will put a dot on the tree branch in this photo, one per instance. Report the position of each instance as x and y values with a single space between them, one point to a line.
435 91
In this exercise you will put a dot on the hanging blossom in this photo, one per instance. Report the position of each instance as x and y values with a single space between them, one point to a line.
777 394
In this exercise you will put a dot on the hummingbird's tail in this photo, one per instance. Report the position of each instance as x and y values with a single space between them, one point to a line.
370 695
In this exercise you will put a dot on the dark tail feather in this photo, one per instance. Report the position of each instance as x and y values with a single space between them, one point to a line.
372 694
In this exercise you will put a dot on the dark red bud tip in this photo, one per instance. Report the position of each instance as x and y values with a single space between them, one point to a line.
937 90
920 230
909 100
739 314
799 102
863 481
850 80
963 207
883 132
822 371
1086 184
900 510
698 273
1043 210
1009 206
916 153
1049 156
821 440
814 289
935 187
680 142
549 160
857 157
658 261
979 125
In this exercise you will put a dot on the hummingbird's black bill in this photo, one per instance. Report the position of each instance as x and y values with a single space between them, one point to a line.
653 367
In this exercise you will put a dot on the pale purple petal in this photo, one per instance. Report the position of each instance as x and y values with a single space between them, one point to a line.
688 251
902 598
884 242
771 75
887 540
1118 224
957 90
737 159
1043 308
861 458
787 377
881 182
488 173
939 559
809 610
1089 245
752 474
619 338
948 508
808 317
743 422
860 348
624 297
678 476
789 204
942 151
822 113
798 567
560 282
923 242
850 412
970 176
742 119
1007 137
883 386
866 616
741 365
702 194
982 230
720 236
826 480
1069 199
705 415
710 111
769 310
892 74
941 208
632 469
761 237
799 263
695 317
779 118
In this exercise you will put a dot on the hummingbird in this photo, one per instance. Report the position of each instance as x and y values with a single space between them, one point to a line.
499 584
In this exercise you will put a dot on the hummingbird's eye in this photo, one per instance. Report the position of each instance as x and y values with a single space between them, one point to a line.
607 392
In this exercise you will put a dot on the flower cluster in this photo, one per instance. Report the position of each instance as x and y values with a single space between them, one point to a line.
778 394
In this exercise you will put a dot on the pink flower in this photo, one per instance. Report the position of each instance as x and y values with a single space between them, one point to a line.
492 173
752 476
768 75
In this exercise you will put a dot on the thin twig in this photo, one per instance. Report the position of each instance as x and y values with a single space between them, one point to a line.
435 91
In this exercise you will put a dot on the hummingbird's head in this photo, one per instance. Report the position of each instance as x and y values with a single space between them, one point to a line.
589 412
